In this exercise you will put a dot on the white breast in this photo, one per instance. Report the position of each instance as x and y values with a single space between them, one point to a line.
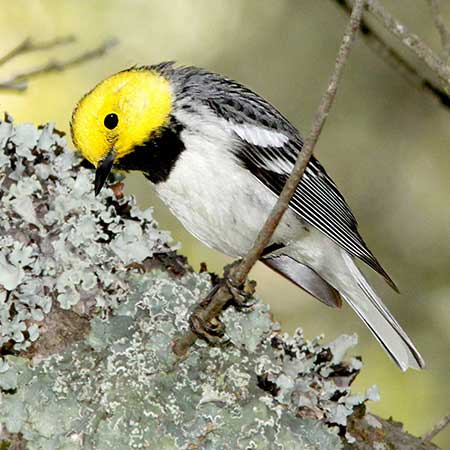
217 200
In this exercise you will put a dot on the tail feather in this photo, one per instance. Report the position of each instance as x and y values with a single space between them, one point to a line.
363 299
335 268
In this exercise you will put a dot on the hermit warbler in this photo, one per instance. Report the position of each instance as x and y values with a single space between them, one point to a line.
218 155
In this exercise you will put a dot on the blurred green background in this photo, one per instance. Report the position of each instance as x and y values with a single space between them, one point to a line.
386 145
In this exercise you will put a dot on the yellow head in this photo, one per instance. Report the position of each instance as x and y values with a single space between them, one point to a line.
120 113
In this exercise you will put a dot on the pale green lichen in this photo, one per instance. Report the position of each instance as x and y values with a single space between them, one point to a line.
53 234
120 386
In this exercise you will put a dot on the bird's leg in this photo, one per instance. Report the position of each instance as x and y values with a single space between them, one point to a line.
211 331
242 295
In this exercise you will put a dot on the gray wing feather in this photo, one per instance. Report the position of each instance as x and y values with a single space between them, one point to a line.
316 200
305 278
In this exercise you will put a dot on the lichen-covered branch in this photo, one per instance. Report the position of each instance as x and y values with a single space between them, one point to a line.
19 82
389 54
444 34
440 426
238 275
411 41
92 295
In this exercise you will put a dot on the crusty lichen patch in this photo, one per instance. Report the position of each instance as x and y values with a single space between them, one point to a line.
122 387
59 244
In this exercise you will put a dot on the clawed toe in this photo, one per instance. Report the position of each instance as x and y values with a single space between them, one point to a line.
242 296
211 331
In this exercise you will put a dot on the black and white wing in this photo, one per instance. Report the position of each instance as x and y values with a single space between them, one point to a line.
268 145
317 200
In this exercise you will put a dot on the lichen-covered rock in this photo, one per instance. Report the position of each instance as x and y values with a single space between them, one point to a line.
59 245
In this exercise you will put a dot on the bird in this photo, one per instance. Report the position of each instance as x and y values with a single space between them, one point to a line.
218 156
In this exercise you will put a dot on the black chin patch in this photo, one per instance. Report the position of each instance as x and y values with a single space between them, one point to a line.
156 157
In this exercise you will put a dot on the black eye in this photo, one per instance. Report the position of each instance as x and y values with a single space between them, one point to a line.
111 121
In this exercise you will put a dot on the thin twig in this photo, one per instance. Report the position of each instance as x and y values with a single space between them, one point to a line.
27 46
397 61
437 428
435 6
19 82
238 276
411 41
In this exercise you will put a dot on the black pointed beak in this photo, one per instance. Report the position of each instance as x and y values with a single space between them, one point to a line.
102 172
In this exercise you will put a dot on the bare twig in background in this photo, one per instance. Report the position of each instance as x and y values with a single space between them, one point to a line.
435 6
28 46
397 61
19 82
437 428
239 275
411 41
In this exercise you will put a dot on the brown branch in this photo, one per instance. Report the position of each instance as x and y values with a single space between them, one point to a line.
396 61
28 46
19 82
237 277
435 6
437 428
411 41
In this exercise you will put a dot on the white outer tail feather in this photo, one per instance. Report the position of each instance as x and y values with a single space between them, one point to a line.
368 306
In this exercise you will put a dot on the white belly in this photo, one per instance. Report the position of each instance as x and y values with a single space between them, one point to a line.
219 202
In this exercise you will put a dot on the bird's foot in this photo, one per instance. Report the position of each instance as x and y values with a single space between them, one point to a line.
211 331
242 295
